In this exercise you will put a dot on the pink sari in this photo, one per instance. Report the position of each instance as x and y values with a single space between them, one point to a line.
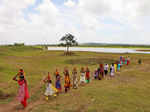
23 93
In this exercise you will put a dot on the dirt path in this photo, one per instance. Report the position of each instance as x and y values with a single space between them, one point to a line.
15 106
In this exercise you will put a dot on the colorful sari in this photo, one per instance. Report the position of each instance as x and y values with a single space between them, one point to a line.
87 76
75 81
23 93
118 67
50 90
67 81
82 77
101 72
96 74
128 61
112 71
58 84
115 67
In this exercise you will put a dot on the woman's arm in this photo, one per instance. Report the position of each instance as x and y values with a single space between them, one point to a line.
15 78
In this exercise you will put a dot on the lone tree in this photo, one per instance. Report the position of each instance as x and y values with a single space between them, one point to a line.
69 41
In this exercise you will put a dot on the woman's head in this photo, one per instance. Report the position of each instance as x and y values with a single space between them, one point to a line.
74 69
48 76
21 70
82 68
87 68
101 65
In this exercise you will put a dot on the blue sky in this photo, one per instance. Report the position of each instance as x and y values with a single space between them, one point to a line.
40 21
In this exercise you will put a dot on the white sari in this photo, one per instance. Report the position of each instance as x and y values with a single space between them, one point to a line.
49 90
82 78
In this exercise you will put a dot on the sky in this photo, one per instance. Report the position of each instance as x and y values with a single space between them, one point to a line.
100 21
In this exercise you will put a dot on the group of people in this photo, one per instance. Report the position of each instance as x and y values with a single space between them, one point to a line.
85 77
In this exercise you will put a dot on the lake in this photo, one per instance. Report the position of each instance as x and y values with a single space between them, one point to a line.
103 50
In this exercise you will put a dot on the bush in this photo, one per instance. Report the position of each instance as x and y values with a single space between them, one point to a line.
18 44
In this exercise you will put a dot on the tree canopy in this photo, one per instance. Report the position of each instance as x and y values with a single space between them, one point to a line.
69 40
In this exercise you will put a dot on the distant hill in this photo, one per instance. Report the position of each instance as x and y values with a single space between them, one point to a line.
114 44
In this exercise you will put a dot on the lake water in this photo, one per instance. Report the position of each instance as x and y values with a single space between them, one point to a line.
104 50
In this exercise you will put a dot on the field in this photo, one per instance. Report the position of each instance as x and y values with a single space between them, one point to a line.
129 91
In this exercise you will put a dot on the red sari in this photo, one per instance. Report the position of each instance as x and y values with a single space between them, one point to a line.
128 61
87 76
23 93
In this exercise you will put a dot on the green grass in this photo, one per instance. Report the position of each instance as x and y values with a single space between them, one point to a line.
127 92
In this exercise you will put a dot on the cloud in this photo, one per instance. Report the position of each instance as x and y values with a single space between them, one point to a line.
115 21
69 3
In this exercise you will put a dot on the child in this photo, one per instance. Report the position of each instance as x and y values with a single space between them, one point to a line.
75 81
87 75
67 80
82 77
50 89
23 93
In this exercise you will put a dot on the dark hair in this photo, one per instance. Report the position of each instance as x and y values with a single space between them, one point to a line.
21 73
21 76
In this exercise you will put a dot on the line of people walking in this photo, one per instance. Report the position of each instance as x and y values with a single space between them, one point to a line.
86 76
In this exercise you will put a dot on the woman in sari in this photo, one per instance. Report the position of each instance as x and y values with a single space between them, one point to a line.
101 72
82 76
75 81
58 82
56 73
115 67
87 74
118 66
67 80
95 74
23 93
128 60
112 71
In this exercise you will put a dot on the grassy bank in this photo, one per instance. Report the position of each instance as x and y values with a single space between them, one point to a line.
127 92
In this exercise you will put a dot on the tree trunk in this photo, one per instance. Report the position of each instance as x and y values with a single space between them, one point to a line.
67 50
